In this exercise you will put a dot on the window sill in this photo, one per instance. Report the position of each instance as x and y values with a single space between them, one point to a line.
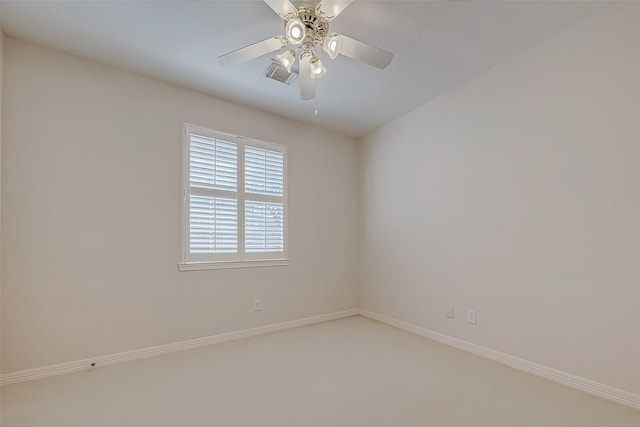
219 265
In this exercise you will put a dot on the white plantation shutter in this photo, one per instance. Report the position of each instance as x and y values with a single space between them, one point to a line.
234 198
264 206
213 206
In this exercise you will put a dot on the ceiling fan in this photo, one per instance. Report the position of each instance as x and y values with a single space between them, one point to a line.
306 24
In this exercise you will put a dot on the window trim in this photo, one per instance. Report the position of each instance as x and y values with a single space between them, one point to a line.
241 259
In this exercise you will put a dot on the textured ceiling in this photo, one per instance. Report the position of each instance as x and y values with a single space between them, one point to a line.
437 46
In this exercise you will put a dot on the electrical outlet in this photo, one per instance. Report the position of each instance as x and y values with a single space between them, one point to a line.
471 316
257 305
450 312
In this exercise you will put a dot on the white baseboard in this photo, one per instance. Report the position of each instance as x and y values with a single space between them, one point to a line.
85 364
588 386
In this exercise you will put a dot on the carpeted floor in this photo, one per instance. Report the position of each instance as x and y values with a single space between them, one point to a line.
349 372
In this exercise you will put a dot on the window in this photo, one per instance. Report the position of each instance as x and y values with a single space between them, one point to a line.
234 208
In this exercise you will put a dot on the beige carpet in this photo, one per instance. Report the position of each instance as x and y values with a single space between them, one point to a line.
350 372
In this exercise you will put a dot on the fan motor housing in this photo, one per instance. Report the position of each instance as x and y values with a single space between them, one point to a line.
313 21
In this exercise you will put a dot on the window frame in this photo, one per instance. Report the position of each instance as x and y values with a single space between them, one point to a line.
240 259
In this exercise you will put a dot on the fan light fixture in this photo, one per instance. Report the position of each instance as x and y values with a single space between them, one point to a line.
317 70
331 45
287 59
306 32
296 31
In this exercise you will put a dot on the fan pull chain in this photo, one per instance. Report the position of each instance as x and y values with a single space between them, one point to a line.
316 99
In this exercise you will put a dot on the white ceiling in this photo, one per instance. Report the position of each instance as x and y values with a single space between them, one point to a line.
437 46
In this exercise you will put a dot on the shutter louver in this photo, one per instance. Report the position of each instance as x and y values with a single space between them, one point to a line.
264 227
264 171
213 163
213 225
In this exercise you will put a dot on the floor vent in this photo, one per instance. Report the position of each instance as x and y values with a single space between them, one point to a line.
276 71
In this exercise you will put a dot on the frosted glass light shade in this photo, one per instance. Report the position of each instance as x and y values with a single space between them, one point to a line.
331 45
317 70
296 31
287 59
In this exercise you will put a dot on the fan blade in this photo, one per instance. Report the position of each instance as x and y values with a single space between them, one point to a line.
333 8
252 51
307 84
372 55
281 7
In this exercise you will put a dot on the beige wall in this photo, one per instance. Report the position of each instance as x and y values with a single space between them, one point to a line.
91 210
518 195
